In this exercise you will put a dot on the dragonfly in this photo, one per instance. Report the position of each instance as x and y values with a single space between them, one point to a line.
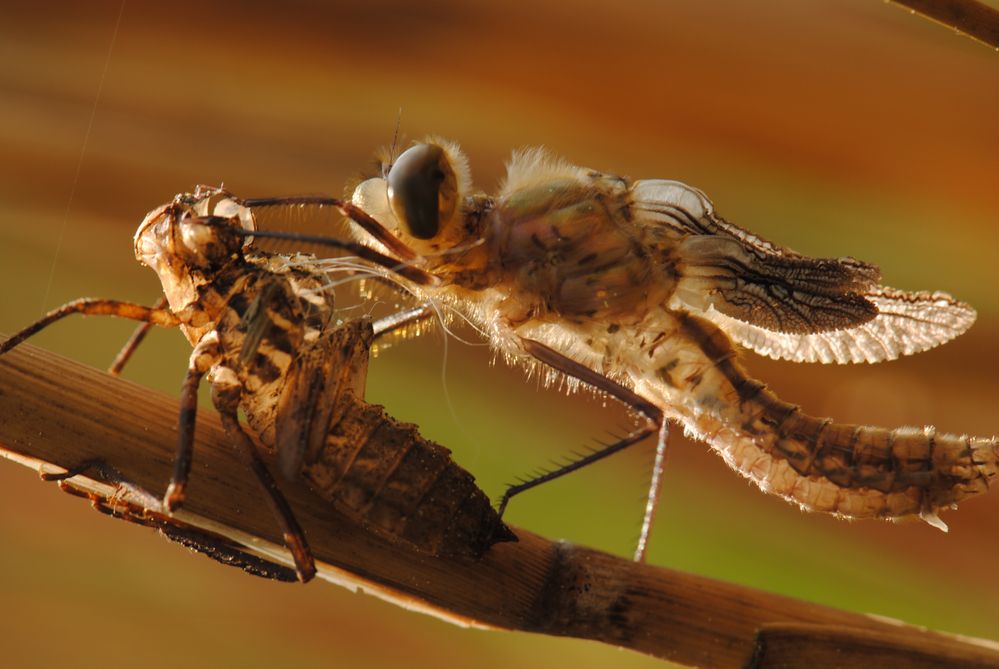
640 289
266 334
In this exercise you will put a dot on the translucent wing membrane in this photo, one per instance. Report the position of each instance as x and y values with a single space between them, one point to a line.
787 306
906 323
689 211
792 295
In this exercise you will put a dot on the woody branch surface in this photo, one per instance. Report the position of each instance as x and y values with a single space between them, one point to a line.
60 412
975 19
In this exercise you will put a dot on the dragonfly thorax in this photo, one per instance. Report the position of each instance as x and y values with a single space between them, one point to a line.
569 246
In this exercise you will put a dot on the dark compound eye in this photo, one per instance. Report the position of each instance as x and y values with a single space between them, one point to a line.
422 190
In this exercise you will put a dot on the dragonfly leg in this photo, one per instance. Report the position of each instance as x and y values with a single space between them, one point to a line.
403 268
140 332
367 222
570 367
657 423
399 320
608 450
371 225
655 490
95 307
400 262
227 401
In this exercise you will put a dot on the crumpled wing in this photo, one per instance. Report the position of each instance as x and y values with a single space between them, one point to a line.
787 306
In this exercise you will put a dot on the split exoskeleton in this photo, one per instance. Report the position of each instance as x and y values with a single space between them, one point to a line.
266 333
636 288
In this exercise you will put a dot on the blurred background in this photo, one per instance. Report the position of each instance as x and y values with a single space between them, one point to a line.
835 127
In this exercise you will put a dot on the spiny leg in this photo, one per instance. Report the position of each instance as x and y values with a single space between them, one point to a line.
539 351
355 213
138 335
570 367
655 490
401 319
400 263
94 307
226 400
605 451
657 423
400 267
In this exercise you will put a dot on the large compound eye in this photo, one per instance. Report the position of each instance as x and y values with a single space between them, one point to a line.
422 190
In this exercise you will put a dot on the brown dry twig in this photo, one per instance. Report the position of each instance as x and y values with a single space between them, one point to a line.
970 17
56 411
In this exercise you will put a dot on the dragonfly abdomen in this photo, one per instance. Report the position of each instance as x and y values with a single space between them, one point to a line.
879 472
856 471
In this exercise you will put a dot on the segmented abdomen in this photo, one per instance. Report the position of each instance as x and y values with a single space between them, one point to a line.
862 471
385 475
856 471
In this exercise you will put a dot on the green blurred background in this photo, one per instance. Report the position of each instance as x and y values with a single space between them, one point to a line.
836 127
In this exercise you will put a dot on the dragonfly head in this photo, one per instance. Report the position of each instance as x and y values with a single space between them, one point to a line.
188 240
420 197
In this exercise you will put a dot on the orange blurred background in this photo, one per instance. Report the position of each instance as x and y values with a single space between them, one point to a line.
836 127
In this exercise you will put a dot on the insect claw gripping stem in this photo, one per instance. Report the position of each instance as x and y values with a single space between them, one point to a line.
226 401
211 545
85 466
287 363
106 473
174 496
204 352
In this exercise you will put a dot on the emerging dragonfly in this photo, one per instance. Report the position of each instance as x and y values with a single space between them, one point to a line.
264 330
640 288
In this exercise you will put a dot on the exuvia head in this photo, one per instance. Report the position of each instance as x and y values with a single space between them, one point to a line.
198 230
187 240
420 198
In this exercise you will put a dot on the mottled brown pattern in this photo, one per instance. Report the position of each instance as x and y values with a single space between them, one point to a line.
927 470
595 267
265 336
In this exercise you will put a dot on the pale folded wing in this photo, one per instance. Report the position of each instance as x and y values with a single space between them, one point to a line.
784 305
